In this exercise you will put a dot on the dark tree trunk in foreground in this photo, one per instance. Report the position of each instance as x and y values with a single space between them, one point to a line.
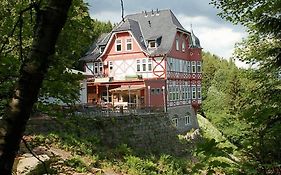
51 19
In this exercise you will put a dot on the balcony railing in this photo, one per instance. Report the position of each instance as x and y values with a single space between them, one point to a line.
107 109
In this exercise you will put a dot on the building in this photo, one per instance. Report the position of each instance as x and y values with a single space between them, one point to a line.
148 61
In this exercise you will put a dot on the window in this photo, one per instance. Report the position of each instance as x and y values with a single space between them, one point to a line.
187 120
178 92
193 67
184 66
199 67
199 92
183 46
175 121
138 66
96 67
100 67
177 45
183 92
158 91
177 65
180 65
152 90
143 64
110 66
171 64
149 65
193 92
129 44
188 93
152 44
188 66
118 45
102 49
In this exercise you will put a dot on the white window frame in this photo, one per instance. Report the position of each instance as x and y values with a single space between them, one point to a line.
177 44
193 66
144 65
152 44
188 93
96 68
188 67
149 64
183 46
102 49
110 66
193 89
100 70
171 64
199 92
118 42
129 41
199 67
187 120
138 65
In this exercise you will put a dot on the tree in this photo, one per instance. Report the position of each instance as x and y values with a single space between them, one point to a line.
50 21
261 109
58 83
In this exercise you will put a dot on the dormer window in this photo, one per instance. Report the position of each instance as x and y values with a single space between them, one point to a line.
129 44
102 49
183 46
152 44
118 45
177 45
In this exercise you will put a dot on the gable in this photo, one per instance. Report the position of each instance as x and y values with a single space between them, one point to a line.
128 47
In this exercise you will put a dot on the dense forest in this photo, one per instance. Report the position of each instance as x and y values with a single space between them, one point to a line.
242 104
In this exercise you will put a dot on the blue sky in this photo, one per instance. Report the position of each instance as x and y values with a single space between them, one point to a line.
215 34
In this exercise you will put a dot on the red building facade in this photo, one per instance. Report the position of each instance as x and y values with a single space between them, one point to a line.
148 61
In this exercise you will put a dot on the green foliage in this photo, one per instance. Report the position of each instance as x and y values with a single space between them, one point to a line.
77 164
59 83
214 152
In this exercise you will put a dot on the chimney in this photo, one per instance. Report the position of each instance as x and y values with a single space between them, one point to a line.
152 12
149 22
145 13
157 12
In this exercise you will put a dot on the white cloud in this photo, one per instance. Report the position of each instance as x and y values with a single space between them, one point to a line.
219 41
112 16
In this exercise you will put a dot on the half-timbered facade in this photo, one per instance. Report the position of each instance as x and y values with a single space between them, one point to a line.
148 61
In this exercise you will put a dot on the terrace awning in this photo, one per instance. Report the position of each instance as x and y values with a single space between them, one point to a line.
127 88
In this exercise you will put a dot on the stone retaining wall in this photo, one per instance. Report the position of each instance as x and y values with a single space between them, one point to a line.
151 132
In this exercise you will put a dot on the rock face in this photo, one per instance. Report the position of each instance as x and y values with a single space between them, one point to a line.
28 162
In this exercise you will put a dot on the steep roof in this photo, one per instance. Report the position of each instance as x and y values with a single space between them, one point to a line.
160 26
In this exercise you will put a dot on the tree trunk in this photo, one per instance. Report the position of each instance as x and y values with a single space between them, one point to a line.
50 21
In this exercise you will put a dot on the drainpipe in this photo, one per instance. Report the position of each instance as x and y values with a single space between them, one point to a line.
164 98
149 105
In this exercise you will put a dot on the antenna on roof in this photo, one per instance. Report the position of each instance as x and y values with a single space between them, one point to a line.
122 11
